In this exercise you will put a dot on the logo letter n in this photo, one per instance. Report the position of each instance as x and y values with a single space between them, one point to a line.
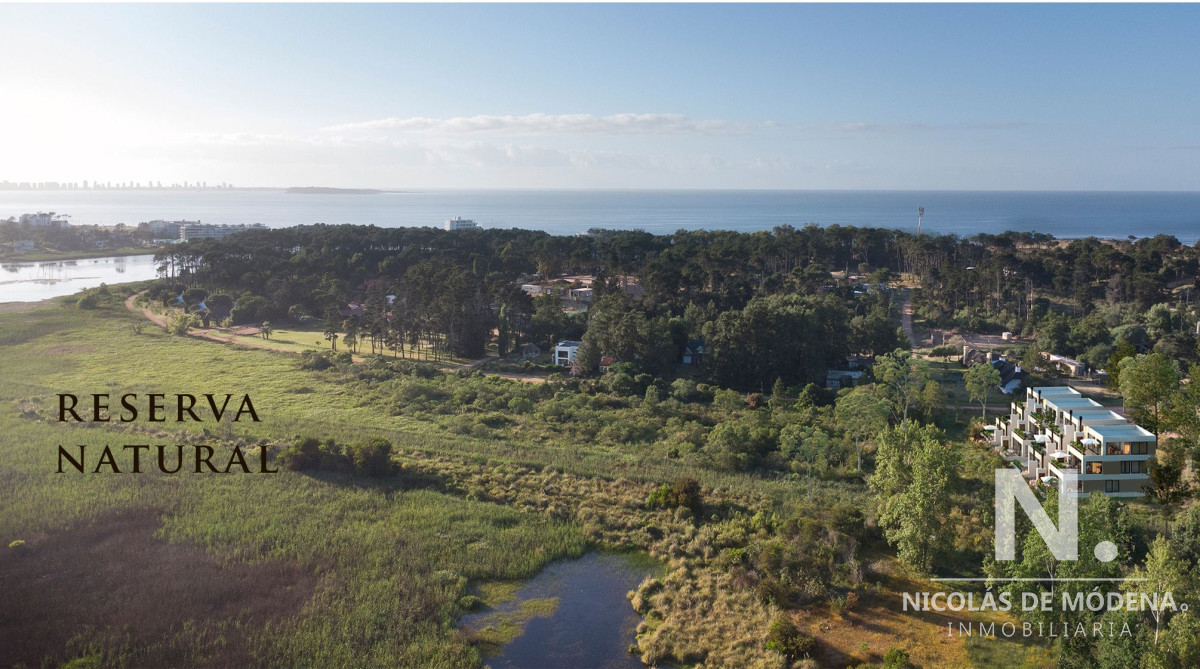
1063 541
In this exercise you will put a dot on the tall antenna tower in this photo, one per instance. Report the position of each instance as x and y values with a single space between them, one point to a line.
920 215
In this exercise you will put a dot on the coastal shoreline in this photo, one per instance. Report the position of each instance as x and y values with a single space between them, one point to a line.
77 255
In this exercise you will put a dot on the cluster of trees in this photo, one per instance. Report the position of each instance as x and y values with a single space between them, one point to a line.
1088 299
765 303
1166 637
993 281
72 237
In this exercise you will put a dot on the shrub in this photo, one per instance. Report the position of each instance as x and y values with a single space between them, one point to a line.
180 324
374 458
685 390
520 405
315 360
682 493
303 454
247 309
471 603
898 658
785 638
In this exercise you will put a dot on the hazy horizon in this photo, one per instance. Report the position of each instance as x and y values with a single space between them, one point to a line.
595 97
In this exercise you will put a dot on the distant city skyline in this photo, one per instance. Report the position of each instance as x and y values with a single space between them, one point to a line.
926 97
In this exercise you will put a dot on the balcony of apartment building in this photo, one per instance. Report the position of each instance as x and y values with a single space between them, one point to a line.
1038 459
1060 463
1119 442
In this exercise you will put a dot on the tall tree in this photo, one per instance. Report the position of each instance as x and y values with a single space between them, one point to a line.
1148 382
1162 573
980 379
862 415
903 377
914 477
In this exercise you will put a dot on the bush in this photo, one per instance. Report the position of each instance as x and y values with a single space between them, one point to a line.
682 493
302 455
315 360
180 324
898 658
520 405
374 458
247 309
471 603
785 638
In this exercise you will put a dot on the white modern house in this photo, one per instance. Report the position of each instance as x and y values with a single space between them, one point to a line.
1055 430
565 352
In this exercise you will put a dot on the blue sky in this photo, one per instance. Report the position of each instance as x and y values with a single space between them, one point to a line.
1070 97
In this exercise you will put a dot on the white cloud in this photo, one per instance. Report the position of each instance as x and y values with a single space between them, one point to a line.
920 127
382 151
550 124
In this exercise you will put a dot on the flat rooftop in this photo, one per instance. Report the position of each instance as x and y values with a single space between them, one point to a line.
1072 402
1090 414
1122 432
1055 390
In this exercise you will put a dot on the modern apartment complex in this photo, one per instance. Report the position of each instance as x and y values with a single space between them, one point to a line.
457 223
189 231
1056 430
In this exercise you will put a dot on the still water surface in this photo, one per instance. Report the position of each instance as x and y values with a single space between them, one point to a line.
593 624
43 279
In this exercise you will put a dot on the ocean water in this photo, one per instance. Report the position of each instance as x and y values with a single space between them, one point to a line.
1062 214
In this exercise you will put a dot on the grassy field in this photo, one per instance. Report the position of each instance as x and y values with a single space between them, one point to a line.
357 571
388 564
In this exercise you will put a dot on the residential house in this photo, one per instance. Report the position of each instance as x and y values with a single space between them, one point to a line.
693 353
836 379
565 352
1069 366
1011 375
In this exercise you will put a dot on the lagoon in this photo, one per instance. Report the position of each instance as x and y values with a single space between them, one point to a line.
42 279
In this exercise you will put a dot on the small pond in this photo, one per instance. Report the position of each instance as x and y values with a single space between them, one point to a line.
574 614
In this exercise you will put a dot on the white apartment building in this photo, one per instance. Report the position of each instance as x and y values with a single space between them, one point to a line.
1055 430
457 223
210 231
